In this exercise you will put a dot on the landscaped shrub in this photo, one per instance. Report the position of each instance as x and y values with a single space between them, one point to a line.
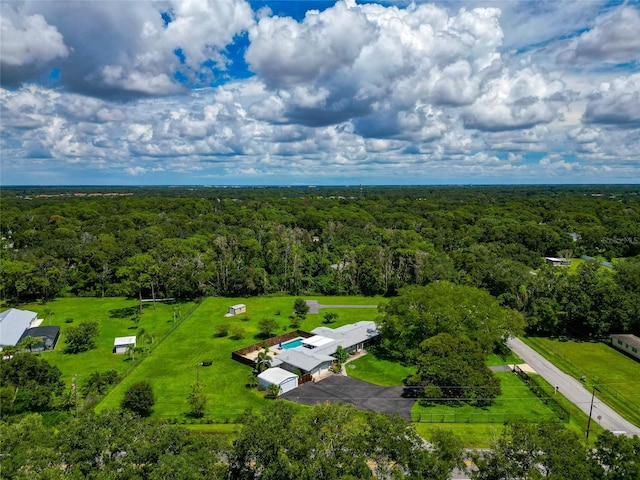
237 333
222 330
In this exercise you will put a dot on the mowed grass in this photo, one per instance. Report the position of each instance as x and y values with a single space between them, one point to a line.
173 366
106 312
616 375
375 370
515 401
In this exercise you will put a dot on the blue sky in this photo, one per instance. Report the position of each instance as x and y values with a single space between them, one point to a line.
230 92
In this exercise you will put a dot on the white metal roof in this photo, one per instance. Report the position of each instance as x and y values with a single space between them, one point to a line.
125 340
240 305
276 376
317 341
13 323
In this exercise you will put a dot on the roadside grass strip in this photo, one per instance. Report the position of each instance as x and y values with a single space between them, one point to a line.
616 376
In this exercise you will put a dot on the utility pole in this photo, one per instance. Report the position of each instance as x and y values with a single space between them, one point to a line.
75 393
593 394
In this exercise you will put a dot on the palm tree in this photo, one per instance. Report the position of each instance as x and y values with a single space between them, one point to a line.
263 361
29 342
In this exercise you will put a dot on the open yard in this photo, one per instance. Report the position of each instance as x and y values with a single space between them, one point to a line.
614 374
172 367
114 318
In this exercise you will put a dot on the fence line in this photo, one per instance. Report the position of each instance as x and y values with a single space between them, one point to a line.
540 392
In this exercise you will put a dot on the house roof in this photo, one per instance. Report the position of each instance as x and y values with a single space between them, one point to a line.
46 333
627 338
124 341
276 376
317 341
13 323
305 360
346 336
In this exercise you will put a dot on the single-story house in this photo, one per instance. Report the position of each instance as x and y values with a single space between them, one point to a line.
305 361
237 309
122 344
277 376
557 262
627 343
13 323
314 355
48 337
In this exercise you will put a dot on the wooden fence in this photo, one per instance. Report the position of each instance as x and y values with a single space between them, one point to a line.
270 342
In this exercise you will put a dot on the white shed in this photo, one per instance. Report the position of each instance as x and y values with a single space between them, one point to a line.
278 376
122 344
237 309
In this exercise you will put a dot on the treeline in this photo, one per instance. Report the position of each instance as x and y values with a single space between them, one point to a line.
283 443
186 243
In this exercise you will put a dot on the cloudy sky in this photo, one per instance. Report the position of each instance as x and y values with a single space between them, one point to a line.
236 92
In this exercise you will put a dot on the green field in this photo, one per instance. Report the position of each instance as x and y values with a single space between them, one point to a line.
378 371
614 374
112 322
172 367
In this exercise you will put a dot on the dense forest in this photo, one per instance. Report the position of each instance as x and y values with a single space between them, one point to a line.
192 242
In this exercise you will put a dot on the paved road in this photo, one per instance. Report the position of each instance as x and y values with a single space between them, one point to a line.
573 390
314 306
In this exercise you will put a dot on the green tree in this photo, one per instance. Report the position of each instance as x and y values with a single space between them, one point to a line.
273 390
267 327
528 451
419 313
263 361
457 366
341 354
330 317
616 457
29 342
300 307
197 400
29 382
81 337
139 398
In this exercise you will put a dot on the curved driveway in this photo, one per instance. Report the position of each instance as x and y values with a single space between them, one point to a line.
573 390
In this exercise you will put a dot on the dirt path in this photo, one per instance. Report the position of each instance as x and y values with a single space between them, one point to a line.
573 390
315 307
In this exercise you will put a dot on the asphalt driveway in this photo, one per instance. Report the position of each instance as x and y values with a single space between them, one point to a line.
363 395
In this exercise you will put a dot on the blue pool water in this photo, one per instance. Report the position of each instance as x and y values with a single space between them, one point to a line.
296 342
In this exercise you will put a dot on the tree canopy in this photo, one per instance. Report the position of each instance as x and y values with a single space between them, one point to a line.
419 313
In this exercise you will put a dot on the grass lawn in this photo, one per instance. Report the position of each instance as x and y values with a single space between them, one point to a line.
473 435
113 321
516 401
172 366
614 374
378 371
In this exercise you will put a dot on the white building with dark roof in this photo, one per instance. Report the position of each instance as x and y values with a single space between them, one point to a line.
629 344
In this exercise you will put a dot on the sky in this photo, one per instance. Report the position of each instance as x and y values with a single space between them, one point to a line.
237 92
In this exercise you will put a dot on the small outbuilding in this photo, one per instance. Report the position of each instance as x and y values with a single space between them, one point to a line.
278 376
122 344
237 309
557 262
629 344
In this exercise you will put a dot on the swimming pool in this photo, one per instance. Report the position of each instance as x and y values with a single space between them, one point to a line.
296 342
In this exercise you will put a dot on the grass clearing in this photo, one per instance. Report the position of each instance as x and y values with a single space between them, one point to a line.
515 401
114 320
172 367
378 371
614 374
